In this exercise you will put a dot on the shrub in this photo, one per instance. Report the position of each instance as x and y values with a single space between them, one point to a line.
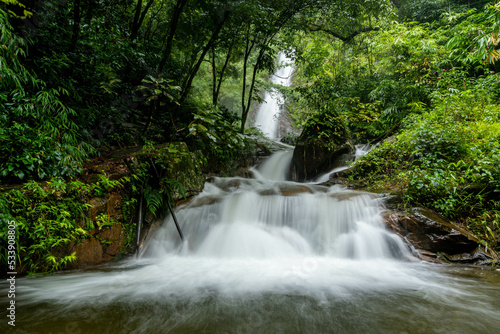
38 137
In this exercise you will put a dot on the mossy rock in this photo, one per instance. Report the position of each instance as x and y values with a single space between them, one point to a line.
325 143
175 162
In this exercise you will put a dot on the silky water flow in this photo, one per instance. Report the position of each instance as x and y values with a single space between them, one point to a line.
266 255
268 114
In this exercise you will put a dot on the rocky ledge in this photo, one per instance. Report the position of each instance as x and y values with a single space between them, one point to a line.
435 239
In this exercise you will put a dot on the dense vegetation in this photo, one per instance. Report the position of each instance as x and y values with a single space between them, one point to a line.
438 84
79 79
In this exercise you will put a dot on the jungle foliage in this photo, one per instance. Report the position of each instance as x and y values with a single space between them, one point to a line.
439 82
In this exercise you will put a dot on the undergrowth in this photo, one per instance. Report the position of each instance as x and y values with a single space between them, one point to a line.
446 159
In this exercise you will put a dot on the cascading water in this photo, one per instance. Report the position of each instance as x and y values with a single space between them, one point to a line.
266 255
361 150
275 168
266 220
269 111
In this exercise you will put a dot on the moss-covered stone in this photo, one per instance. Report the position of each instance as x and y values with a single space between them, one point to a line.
185 170
177 168
325 143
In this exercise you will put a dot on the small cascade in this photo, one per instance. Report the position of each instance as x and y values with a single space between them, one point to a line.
262 219
269 111
276 168
361 150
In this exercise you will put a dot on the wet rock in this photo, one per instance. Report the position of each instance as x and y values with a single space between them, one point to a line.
333 181
89 252
428 256
244 172
105 243
206 200
430 234
266 146
477 257
434 238
114 206
268 192
97 206
325 143
228 184
348 195
103 246
116 239
293 190
148 231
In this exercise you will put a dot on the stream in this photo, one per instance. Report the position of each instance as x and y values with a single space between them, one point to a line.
266 255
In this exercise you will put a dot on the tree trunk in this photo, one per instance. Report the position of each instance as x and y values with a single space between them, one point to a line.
189 81
134 27
139 18
179 6
216 90
248 50
214 77
244 115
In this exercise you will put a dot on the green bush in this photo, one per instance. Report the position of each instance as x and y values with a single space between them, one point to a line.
446 159
48 216
215 134
433 142
38 135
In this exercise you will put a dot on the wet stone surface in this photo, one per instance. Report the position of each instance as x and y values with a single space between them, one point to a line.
434 238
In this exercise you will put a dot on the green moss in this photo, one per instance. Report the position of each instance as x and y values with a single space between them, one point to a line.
331 130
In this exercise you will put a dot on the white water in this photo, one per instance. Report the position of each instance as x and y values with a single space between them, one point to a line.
361 150
254 220
269 111
267 256
275 168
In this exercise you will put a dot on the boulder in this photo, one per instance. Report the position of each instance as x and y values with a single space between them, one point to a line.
175 161
434 238
294 190
477 257
89 252
104 245
256 150
114 238
325 143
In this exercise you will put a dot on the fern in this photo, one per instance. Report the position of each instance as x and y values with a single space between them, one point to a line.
154 199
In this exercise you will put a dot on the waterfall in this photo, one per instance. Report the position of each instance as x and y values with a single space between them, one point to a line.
361 150
266 255
269 111
276 168
266 220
